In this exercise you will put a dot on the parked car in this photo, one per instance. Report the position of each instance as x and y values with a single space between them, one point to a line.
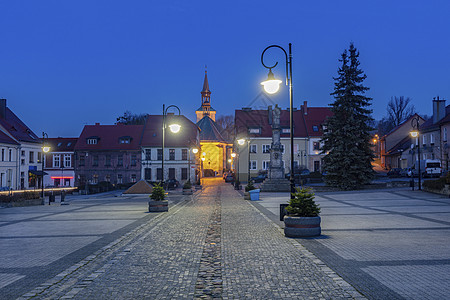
172 183
301 174
260 178
229 178
406 172
394 172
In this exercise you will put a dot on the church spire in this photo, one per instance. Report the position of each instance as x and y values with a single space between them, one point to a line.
206 93
206 109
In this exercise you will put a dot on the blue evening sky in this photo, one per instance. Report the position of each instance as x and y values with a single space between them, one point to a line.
65 64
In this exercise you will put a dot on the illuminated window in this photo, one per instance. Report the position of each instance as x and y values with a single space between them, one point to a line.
56 161
254 130
91 141
285 130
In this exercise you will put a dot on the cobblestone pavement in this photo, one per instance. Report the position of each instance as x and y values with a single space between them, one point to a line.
215 246
389 244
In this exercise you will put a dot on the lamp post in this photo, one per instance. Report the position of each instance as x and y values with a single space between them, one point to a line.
415 134
240 142
271 86
175 128
45 149
195 151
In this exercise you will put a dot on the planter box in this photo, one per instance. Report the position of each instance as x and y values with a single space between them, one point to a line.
301 226
158 206
187 191
254 194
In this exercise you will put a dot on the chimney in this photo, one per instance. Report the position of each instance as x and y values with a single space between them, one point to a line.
304 107
2 108
438 109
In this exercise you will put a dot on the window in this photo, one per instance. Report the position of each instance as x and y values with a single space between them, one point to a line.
107 160
184 173
171 173
108 178
133 160
432 139
316 146
22 161
39 157
171 154
160 154
252 164
316 166
3 155
424 139
253 148
148 174
184 154
148 154
285 130
95 161
133 177
282 148
158 174
23 153
265 164
119 178
120 160
56 161
254 130
67 160
91 141
124 140
266 148
445 134
10 153
31 157
316 128
95 178
82 161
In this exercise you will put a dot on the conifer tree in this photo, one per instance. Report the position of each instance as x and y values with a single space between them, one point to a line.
347 140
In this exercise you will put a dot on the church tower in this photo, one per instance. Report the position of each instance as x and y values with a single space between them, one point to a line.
206 109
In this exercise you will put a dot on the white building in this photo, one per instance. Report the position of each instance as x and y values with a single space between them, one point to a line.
21 153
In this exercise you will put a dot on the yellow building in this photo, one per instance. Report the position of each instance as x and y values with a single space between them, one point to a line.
215 150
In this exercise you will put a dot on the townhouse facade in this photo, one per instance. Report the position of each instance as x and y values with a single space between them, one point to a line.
255 127
108 153
396 147
179 160
21 152
59 162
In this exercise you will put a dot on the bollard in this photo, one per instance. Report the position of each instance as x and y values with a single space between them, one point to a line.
283 211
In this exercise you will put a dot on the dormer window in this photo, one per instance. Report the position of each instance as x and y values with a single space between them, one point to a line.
285 130
59 144
316 128
125 140
256 130
93 140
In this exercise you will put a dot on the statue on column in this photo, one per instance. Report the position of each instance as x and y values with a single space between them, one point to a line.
276 168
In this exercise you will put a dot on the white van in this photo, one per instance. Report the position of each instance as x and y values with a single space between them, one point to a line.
428 168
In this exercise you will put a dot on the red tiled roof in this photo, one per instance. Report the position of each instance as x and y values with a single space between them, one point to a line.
109 137
303 124
17 128
4 138
152 133
61 144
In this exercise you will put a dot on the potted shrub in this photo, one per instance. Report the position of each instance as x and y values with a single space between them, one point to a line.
187 188
157 202
249 187
302 219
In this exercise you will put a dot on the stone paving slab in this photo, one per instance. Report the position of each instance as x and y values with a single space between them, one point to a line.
255 261
389 244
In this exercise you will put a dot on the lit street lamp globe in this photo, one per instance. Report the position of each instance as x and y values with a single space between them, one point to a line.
175 128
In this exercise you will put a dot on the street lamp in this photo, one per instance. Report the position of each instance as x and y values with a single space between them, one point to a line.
45 149
271 86
195 151
175 128
415 134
